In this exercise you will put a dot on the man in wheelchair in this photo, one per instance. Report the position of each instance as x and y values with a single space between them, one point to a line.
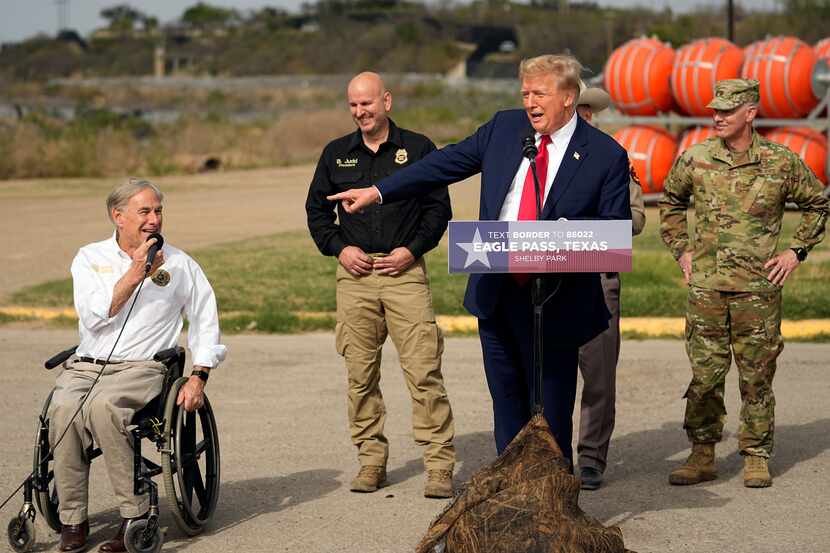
106 277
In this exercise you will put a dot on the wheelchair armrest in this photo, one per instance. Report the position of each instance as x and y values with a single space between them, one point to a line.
59 358
167 354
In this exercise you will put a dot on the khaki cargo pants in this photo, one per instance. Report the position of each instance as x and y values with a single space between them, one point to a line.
369 308
123 389
750 324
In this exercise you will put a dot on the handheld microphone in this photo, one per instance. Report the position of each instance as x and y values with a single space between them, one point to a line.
529 149
154 249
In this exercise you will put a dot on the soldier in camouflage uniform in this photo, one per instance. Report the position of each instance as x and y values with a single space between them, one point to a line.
740 182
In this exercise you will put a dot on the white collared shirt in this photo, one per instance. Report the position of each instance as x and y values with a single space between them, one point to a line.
156 320
559 141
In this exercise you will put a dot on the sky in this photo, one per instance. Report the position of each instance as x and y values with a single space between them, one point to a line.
21 19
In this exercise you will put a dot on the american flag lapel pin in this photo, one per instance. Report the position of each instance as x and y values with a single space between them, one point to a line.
576 155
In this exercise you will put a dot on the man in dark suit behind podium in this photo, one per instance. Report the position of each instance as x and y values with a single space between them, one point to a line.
583 174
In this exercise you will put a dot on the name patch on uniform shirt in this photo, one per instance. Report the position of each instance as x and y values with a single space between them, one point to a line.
101 268
401 156
347 162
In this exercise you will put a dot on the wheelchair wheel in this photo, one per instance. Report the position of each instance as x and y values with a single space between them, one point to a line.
135 542
46 494
190 463
21 533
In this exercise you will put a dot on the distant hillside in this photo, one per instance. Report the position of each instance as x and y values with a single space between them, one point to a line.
339 36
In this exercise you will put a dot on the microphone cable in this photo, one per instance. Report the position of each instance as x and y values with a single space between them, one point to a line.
84 398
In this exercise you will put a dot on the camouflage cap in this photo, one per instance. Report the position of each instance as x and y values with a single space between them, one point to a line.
731 93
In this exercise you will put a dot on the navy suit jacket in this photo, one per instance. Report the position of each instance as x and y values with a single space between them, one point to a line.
592 183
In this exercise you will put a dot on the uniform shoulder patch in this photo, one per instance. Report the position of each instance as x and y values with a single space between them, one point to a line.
633 173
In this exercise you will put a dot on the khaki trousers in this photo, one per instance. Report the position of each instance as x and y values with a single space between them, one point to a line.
123 389
598 365
369 308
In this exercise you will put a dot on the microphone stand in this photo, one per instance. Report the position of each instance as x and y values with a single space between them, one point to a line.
538 300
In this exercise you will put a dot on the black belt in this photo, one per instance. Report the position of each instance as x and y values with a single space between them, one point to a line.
97 361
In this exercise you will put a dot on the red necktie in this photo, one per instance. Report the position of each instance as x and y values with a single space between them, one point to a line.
527 206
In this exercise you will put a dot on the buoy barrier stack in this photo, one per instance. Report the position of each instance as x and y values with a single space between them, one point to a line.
648 80
646 77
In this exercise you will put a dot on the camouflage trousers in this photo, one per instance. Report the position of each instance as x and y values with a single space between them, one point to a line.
748 324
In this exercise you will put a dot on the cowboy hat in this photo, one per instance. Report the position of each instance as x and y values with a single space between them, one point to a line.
595 98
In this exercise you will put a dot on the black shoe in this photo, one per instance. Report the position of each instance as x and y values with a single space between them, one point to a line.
591 478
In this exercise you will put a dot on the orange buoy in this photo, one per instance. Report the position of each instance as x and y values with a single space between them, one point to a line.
693 136
809 144
651 151
784 67
698 66
822 48
638 75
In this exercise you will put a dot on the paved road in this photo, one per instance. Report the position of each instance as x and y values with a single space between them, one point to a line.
287 460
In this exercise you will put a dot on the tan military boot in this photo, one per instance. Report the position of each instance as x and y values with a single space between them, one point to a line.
369 479
699 467
756 472
439 484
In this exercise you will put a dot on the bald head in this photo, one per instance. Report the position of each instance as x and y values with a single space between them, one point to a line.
370 103
367 81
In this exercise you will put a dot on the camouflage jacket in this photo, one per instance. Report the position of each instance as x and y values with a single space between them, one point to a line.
738 211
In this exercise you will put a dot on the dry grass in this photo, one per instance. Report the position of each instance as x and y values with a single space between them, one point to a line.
30 150
294 120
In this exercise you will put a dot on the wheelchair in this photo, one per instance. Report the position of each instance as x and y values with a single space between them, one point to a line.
189 448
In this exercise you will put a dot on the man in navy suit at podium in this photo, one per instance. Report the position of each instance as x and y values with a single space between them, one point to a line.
583 174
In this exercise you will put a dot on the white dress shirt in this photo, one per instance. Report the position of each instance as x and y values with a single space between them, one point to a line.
156 320
559 141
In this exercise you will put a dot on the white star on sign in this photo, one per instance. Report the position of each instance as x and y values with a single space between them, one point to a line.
472 255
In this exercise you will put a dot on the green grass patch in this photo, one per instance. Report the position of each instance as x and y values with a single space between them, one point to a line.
54 293
636 335
264 284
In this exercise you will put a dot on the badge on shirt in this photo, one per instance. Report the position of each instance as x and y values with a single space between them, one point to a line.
161 278
401 156
101 268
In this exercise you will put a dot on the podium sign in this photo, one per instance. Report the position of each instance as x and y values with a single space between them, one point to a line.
540 246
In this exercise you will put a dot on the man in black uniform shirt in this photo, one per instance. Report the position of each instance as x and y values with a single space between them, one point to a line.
382 285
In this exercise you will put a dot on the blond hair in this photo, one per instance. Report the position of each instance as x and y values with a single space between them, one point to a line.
565 69
122 193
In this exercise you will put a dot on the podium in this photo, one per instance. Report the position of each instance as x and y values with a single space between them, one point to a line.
537 248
